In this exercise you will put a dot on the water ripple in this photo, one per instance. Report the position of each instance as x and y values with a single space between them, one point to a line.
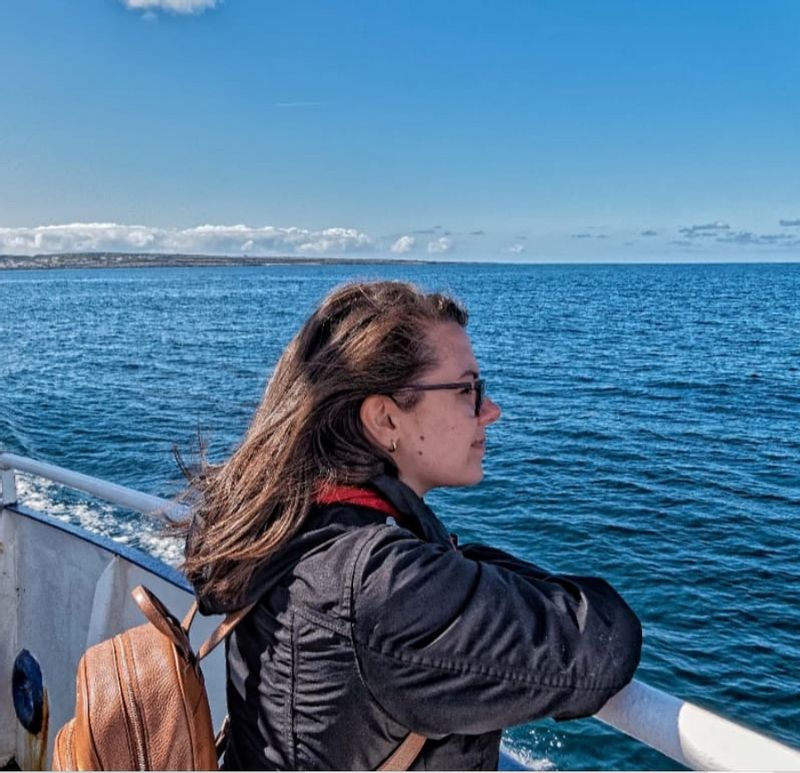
650 436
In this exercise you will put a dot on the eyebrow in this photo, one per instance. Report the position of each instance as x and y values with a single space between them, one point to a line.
470 372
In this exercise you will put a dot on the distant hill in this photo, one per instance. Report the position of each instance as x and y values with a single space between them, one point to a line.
154 260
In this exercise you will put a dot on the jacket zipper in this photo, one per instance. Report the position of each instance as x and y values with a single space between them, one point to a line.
125 660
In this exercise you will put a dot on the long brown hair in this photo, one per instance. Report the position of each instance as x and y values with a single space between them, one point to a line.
364 339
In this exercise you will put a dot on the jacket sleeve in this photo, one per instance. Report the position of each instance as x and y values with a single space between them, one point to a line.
490 555
448 644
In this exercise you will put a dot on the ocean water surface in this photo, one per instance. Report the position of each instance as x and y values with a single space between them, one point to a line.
650 435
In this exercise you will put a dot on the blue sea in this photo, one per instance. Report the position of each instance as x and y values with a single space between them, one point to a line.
650 434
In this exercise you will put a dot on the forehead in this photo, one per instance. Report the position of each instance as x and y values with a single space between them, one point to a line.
454 354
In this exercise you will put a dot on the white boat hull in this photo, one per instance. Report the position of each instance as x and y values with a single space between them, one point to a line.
62 590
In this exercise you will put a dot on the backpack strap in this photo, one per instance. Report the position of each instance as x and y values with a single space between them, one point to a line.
189 616
159 616
222 631
178 632
405 754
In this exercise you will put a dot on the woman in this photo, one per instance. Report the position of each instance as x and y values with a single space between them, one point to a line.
369 622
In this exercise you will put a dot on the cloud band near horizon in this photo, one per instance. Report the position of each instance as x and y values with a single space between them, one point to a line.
213 239
275 241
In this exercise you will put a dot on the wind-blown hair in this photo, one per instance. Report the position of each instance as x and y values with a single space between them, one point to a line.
364 339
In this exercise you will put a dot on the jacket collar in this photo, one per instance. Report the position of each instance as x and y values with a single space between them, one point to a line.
326 520
417 517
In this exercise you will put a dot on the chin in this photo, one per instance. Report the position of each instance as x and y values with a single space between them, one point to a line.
465 478
475 479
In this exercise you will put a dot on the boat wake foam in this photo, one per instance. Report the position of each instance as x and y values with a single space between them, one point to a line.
130 529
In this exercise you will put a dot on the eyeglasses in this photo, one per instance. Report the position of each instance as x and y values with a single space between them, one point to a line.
478 386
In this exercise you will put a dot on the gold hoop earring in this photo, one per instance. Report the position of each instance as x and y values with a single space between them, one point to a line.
392 446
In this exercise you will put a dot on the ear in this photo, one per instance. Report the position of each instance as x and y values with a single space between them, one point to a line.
376 418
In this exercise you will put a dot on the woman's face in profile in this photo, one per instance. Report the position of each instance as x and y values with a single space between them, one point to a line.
441 442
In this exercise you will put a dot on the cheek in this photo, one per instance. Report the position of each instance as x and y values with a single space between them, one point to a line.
431 437
441 441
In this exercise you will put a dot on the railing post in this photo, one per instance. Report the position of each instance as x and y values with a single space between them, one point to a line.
8 479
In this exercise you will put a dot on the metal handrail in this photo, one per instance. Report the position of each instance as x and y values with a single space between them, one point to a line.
111 492
693 736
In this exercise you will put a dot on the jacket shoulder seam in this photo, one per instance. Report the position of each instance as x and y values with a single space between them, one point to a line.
351 579
370 534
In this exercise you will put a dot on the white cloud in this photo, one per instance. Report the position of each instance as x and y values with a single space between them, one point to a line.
213 239
442 244
704 230
750 238
516 249
333 240
403 244
173 6
78 237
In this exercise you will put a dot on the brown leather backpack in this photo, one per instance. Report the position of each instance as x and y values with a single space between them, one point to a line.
141 700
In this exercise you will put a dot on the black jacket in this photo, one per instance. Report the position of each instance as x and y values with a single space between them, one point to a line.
365 630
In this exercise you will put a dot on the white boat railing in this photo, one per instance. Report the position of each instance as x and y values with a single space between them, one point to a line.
102 489
690 735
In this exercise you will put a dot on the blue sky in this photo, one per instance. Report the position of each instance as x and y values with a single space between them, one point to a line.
529 130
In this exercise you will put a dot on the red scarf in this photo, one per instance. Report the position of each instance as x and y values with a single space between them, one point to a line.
355 495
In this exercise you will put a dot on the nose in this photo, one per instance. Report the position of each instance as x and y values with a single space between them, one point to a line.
490 412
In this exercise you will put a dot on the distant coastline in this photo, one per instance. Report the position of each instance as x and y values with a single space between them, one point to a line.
170 260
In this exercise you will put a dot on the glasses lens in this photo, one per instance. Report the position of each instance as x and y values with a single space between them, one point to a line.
480 392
